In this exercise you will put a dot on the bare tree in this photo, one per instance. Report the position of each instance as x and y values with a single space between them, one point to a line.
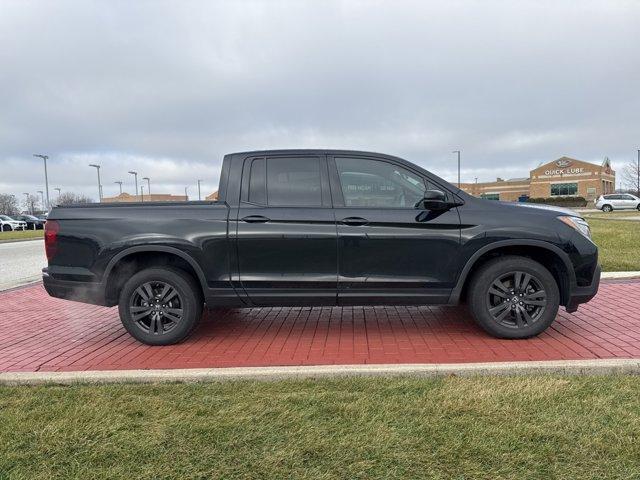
70 198
630 177
31 203
8 204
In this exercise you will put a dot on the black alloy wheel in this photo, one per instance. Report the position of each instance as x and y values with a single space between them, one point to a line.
513 297
156 307
160 305
516 299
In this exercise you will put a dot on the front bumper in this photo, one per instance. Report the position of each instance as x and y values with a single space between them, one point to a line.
584 294
86 292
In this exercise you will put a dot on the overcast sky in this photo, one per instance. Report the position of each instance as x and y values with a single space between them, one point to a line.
167 88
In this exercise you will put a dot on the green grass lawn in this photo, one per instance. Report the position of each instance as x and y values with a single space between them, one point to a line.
522 427
20 235
618 244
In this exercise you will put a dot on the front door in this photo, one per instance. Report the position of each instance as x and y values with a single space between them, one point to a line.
389 251
286 233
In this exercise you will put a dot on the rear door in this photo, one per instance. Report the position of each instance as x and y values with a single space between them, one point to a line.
286 233
388 250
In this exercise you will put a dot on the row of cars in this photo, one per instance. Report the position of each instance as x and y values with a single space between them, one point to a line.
22 222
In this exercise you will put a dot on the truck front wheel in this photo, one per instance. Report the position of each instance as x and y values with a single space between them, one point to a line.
513 297
160 305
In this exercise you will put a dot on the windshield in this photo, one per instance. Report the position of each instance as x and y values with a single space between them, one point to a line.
5 218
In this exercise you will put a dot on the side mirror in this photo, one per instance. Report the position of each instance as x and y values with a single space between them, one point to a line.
433 200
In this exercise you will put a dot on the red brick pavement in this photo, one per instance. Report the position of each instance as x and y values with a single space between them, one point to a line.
39 333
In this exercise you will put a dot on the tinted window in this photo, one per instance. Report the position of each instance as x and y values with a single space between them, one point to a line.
628 197
257 182
564 189
373 183
294 181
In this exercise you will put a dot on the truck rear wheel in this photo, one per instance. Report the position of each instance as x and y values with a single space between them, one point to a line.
513 297
160 305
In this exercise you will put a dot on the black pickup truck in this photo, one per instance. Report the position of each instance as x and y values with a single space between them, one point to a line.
322 227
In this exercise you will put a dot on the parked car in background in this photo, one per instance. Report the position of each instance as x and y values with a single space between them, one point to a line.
617 201
8 224
33 222
43 216
322 228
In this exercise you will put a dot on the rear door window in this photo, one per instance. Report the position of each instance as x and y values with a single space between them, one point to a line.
294 181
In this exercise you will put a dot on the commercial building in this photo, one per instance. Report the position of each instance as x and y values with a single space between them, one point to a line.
154 197
564 177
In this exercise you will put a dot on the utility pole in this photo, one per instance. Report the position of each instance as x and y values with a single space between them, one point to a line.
199 189
120 184
135 174
148 186
97 167
28 204
41 197
46 177
458 152
186 196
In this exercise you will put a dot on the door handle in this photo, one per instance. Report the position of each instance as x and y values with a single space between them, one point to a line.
354 221
255 219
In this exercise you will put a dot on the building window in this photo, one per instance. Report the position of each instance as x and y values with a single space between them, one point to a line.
490 196
559 189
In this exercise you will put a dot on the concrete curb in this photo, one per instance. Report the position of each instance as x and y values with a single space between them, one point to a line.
610 275
16 240
563 367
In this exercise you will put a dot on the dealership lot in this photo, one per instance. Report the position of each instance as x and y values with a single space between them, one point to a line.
47 334
21 262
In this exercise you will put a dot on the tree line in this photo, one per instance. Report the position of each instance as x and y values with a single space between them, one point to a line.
9 204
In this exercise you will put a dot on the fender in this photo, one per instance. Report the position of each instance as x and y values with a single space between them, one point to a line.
454 298
155 248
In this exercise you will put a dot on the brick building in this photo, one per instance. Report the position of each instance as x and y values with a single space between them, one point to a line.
564 177
154 197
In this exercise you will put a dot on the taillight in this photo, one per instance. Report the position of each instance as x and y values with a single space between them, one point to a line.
51 229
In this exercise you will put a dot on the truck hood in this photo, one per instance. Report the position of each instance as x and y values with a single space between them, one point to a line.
548 208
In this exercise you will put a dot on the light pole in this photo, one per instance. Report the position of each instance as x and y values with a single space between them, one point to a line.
97 167
42 197
186 196
120 184
58 189
199 189
148 186
142 193
458 152
135 174
28 203
46 177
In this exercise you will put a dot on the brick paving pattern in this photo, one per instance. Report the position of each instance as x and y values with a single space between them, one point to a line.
40 333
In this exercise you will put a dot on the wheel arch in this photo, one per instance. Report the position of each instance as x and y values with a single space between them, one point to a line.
134 259
550 256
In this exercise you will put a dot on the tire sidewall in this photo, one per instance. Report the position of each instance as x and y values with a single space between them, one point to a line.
607 208
484 279
187 290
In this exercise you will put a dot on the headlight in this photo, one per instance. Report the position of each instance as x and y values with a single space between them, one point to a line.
578 224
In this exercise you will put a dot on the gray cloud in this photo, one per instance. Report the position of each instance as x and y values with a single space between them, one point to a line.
167 88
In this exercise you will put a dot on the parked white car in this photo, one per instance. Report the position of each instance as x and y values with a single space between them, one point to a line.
617 201
7 224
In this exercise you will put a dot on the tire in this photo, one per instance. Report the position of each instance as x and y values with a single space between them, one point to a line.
607 208
151 320
522 314
6 228
638 207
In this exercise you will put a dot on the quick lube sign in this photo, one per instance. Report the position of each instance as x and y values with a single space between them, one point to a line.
563 170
